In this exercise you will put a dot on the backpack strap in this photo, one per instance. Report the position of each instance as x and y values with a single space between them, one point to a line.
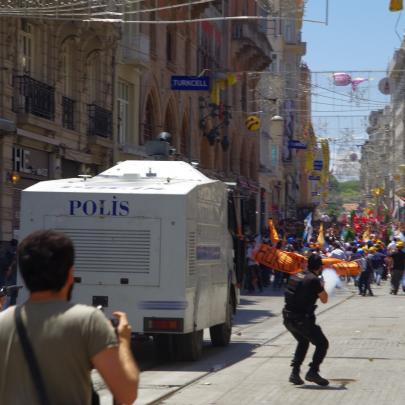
30 358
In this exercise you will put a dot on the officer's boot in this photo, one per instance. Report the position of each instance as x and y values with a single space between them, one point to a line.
313 376
295 376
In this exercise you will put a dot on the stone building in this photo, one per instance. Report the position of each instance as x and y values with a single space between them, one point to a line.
208 127
57 85
281 96
76 97
397 145
383 154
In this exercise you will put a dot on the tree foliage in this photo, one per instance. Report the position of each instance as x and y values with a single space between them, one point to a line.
342 193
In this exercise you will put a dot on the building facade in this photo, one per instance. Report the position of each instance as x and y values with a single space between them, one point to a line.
383 154
57 85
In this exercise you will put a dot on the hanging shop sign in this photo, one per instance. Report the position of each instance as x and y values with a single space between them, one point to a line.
194 83
294 144
318 164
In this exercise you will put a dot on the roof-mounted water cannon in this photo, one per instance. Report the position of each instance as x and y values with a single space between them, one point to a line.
160 148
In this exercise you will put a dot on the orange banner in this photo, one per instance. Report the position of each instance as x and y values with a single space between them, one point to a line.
345 268
276 259
292 262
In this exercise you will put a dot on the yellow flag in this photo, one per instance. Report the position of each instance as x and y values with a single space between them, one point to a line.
273 232
215 93
366 235
321 238
396 5
231 79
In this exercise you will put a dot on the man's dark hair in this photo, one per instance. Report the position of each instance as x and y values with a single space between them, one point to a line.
314 262
44 259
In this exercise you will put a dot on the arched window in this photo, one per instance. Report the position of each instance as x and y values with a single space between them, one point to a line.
187 56
171 44
68 84
170 125
69 58
185 138
148 126
94 77
27 50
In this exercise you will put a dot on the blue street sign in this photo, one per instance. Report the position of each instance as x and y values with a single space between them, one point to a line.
314 177
294 144
318 164
190 83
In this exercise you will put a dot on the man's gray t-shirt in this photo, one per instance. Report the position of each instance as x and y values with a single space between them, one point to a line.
65 337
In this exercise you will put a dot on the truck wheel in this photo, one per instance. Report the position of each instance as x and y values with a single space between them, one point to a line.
221 334
189 345
164 347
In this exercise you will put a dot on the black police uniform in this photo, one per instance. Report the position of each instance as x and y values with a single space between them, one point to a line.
398 267
299 318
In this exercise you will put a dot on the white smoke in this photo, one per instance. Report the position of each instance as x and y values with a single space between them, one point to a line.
331 279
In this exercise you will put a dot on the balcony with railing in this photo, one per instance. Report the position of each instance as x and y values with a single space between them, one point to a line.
135 48
33 97
68 113
100 121
252 43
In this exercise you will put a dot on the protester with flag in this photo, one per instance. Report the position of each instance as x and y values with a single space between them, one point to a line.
321 238
308 228
273 235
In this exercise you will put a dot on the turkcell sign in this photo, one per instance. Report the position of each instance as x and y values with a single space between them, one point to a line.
190 83
92 208
294 144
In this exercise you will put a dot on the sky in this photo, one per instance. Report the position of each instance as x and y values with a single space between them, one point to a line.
359 39
360 34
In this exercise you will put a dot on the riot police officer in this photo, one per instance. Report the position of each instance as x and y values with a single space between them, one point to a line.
302 291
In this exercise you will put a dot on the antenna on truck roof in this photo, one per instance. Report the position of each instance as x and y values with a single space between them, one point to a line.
84 176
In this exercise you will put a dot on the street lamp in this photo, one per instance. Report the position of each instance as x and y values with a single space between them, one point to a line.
277 125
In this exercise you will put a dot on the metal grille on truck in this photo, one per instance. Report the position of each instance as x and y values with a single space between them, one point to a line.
191 254
125 251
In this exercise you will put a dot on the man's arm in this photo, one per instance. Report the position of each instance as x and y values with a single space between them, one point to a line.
323 296
117 365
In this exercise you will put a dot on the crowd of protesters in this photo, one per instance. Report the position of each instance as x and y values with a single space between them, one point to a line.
379 260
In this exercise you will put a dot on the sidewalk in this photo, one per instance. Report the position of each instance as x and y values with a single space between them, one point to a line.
365 362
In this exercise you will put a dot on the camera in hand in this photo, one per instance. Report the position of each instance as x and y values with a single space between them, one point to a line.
8 291
114 322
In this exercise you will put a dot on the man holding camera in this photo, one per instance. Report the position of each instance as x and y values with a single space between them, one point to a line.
68 340
302 291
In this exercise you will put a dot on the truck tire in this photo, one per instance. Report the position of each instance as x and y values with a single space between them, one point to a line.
189 345
221 334
164 347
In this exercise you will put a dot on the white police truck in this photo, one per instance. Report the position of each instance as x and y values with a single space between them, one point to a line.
151 239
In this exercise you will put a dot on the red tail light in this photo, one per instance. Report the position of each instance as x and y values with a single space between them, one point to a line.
163 324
